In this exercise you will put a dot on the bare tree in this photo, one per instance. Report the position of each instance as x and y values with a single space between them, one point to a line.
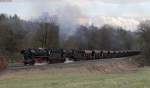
144 31
11 34
47 35
125 39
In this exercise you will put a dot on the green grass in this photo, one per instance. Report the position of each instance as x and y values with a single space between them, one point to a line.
139 79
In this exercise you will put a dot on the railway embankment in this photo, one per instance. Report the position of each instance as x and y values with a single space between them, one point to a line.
115 65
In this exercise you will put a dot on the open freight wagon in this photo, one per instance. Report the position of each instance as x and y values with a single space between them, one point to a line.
40 55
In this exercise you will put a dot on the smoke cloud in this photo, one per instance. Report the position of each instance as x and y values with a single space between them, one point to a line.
66 16
68 19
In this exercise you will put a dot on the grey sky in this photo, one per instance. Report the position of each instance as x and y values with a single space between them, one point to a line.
84 11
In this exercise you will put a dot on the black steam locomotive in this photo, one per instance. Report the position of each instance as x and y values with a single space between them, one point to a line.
40 55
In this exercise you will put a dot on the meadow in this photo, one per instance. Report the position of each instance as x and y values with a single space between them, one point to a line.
69 78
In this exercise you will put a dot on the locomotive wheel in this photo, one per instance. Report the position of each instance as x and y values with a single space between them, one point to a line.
49 61
32 62
25 63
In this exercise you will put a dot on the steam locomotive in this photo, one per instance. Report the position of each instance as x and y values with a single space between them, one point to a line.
49 55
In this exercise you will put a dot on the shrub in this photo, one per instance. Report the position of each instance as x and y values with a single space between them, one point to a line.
3 63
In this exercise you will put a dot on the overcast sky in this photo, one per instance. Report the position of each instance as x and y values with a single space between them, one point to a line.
126 13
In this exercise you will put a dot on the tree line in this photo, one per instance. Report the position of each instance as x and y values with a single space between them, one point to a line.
17 34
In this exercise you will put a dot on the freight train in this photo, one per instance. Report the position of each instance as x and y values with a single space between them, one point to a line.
40 55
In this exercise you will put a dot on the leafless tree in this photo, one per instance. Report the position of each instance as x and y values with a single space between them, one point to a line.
47 35
144 31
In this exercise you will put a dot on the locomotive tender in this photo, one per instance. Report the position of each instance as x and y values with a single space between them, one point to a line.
49 55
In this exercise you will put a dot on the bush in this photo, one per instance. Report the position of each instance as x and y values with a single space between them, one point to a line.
3 63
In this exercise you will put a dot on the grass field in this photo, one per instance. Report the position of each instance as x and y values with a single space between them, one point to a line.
58 79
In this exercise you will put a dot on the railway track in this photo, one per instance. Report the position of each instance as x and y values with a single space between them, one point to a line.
17 67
